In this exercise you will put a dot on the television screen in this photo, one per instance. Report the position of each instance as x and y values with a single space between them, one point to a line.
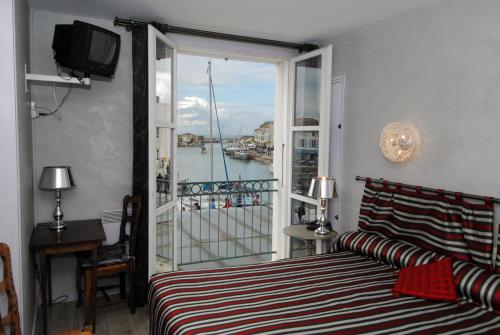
86 48
102 48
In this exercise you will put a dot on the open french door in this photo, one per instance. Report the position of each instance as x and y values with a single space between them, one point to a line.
162 139
309 109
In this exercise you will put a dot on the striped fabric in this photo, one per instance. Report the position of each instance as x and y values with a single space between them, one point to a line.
476 285
497 257
395 253
340 293
448 226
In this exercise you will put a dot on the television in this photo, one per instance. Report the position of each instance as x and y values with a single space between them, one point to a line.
87 48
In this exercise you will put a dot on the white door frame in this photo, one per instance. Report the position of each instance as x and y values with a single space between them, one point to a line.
323 128
153 35
338 91
279 137
280 125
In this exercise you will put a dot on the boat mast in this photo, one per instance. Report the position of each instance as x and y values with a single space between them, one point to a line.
211 118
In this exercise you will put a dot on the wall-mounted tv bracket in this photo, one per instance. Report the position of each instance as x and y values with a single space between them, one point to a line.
51 79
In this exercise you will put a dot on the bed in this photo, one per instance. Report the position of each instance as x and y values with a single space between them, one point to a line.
349 291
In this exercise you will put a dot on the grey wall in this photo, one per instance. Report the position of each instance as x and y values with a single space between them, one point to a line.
9 204
94 136
25 159
16 186
439 69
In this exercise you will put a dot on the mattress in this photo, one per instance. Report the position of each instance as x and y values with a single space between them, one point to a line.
339 293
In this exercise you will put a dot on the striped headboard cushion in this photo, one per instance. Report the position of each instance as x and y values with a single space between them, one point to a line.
396 253
476 285
451 227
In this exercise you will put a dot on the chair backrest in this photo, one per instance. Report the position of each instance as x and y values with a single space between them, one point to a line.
11 319
135 219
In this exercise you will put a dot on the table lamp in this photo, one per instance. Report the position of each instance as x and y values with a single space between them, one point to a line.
324 189
58 179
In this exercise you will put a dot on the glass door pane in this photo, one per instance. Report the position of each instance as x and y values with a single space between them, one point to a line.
164 176
164 71
165 240
307 92
162 149
304 160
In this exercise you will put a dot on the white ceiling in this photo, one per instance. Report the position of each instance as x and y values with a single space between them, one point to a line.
291 20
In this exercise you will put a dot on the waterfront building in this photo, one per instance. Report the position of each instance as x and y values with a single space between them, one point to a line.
264 135
247 141
188 139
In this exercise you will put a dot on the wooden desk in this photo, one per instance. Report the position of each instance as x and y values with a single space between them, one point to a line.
79 236
300 231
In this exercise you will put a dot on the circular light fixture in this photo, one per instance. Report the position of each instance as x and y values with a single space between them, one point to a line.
397 141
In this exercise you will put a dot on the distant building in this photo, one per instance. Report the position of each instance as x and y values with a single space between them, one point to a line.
246 141
306 143
264 135
189 139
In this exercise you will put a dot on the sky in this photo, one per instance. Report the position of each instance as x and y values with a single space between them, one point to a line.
244 93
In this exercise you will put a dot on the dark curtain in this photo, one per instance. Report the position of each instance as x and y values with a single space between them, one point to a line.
140 164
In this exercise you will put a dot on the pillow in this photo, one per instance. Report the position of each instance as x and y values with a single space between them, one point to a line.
477 285
393 252
429 281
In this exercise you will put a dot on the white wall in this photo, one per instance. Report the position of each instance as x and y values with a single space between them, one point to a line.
16 184
94 136
439 69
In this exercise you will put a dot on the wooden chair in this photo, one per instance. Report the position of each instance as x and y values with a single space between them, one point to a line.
117 259
12 320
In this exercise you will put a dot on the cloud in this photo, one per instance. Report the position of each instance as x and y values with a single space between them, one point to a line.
192 103
192 71
244 92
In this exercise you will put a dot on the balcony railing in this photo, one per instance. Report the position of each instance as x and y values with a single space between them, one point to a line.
218 221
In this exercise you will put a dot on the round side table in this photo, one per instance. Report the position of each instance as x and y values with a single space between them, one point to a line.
323 244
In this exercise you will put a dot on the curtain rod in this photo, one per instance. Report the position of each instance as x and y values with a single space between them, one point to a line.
130 24
428 189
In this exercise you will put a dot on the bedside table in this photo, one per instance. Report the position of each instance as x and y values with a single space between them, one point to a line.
323 242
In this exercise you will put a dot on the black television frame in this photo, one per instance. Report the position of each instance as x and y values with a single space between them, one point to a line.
72 43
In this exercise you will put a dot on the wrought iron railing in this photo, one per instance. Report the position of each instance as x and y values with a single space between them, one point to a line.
220 220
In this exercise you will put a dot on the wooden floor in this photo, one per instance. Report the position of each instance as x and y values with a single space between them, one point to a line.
115 319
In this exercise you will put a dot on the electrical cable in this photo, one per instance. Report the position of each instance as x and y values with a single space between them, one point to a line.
65 76
64 99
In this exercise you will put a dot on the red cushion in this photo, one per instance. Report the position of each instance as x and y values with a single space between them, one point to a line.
432 281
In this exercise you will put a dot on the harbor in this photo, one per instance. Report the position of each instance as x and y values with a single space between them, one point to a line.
193 165
224 204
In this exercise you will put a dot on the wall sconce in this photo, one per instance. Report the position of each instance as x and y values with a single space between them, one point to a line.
397 141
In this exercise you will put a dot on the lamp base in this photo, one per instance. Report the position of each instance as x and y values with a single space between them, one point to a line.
58 225
322 230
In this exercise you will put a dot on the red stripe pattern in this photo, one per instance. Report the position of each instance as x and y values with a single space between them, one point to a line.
395 253
340 293
448 226
477 285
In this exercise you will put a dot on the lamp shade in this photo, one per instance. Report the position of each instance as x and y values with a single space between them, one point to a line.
56 178
322 188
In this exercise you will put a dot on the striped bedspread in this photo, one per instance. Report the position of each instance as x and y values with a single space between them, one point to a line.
340 293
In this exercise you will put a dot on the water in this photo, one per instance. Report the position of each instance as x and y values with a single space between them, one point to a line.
195 166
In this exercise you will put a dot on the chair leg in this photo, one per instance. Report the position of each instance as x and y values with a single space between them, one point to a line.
79 285
87 276
131 301
123 290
